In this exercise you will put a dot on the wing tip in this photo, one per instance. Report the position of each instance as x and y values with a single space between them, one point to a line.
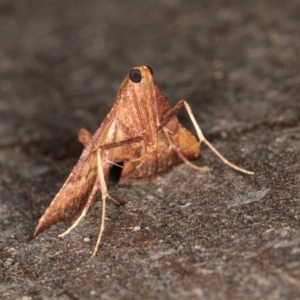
40 227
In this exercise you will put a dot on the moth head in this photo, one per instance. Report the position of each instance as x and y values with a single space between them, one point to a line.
142 74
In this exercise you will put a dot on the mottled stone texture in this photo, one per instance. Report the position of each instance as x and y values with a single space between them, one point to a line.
186 235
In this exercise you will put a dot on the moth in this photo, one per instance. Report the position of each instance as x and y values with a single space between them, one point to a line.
142 132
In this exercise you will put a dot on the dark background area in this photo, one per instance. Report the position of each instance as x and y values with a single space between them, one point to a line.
186 235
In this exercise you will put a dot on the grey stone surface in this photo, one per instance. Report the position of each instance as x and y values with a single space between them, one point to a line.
186 235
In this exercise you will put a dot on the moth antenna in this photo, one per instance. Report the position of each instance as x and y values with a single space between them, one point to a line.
203 139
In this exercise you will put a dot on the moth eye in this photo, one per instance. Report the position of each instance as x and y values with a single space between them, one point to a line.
150 69
135 75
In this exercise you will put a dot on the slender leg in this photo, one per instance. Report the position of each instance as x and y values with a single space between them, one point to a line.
200 135
105 195
203 139
103 165
85 209
84 137
183 158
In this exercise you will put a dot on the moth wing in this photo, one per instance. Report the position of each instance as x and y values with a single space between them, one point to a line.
74 193
164 157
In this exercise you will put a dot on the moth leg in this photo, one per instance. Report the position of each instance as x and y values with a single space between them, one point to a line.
85 209
200 135
203 139
84 137
104 195
103 164
141 161
183 158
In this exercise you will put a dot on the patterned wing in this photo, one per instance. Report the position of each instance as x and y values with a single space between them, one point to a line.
74 193
136 171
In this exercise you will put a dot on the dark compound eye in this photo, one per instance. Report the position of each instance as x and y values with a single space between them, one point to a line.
135 75
150 69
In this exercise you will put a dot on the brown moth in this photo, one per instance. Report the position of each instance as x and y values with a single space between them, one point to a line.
141 131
